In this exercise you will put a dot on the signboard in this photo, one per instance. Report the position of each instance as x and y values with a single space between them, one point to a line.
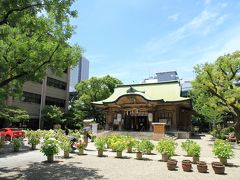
150 117
158 130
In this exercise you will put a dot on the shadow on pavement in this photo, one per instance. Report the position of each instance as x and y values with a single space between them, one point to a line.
7 150
46 170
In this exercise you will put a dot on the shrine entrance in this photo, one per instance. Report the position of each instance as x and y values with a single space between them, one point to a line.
136 123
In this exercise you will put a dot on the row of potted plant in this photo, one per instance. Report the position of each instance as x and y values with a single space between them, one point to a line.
166 147
221 148
119 143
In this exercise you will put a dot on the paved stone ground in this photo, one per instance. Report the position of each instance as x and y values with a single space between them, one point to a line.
32 165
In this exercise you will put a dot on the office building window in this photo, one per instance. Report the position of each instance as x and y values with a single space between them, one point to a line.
56 83
31 97
55 101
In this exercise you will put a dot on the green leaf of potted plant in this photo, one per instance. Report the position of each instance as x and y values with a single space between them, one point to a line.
130 142
16 143
194 151
49 148
186 145
119 145
33 138
113 139
100 144
147 146
65 145
139 149
223 150
166 147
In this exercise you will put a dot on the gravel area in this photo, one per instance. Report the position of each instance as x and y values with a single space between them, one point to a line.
32 165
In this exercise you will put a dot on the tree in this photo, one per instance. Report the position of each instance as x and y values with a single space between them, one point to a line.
34 38
13 115
52 115
216 88
94 89
206 111
74 118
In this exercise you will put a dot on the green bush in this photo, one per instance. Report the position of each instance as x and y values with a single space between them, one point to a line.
16 143
138 146
100 143
118 143
222 149
227 130
147 146
186 145
65 145
166 146
194 150
113 139
218 134
33 137
130 141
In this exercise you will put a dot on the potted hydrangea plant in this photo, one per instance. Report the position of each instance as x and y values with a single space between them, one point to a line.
100 143
166 147
119 145
33 138
139 149
194 151
16 143
49 148
130 142
186 145
114 138
65 145
147 146
223 150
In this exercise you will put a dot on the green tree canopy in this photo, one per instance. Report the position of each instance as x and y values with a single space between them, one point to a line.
52 115
34 37
13 114
94 89
216 89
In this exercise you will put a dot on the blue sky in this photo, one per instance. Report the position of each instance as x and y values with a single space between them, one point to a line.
133 39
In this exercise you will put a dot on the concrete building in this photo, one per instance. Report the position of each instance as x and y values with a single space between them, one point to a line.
79 73
186 88
83 72
53 90
162 77
167 76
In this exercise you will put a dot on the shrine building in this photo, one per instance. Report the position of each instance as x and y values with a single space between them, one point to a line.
135 107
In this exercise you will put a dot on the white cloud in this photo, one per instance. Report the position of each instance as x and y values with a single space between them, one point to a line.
201 25
230 45
204 23
207 2
174 17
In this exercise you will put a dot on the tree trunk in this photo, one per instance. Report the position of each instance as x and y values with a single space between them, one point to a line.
237 128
